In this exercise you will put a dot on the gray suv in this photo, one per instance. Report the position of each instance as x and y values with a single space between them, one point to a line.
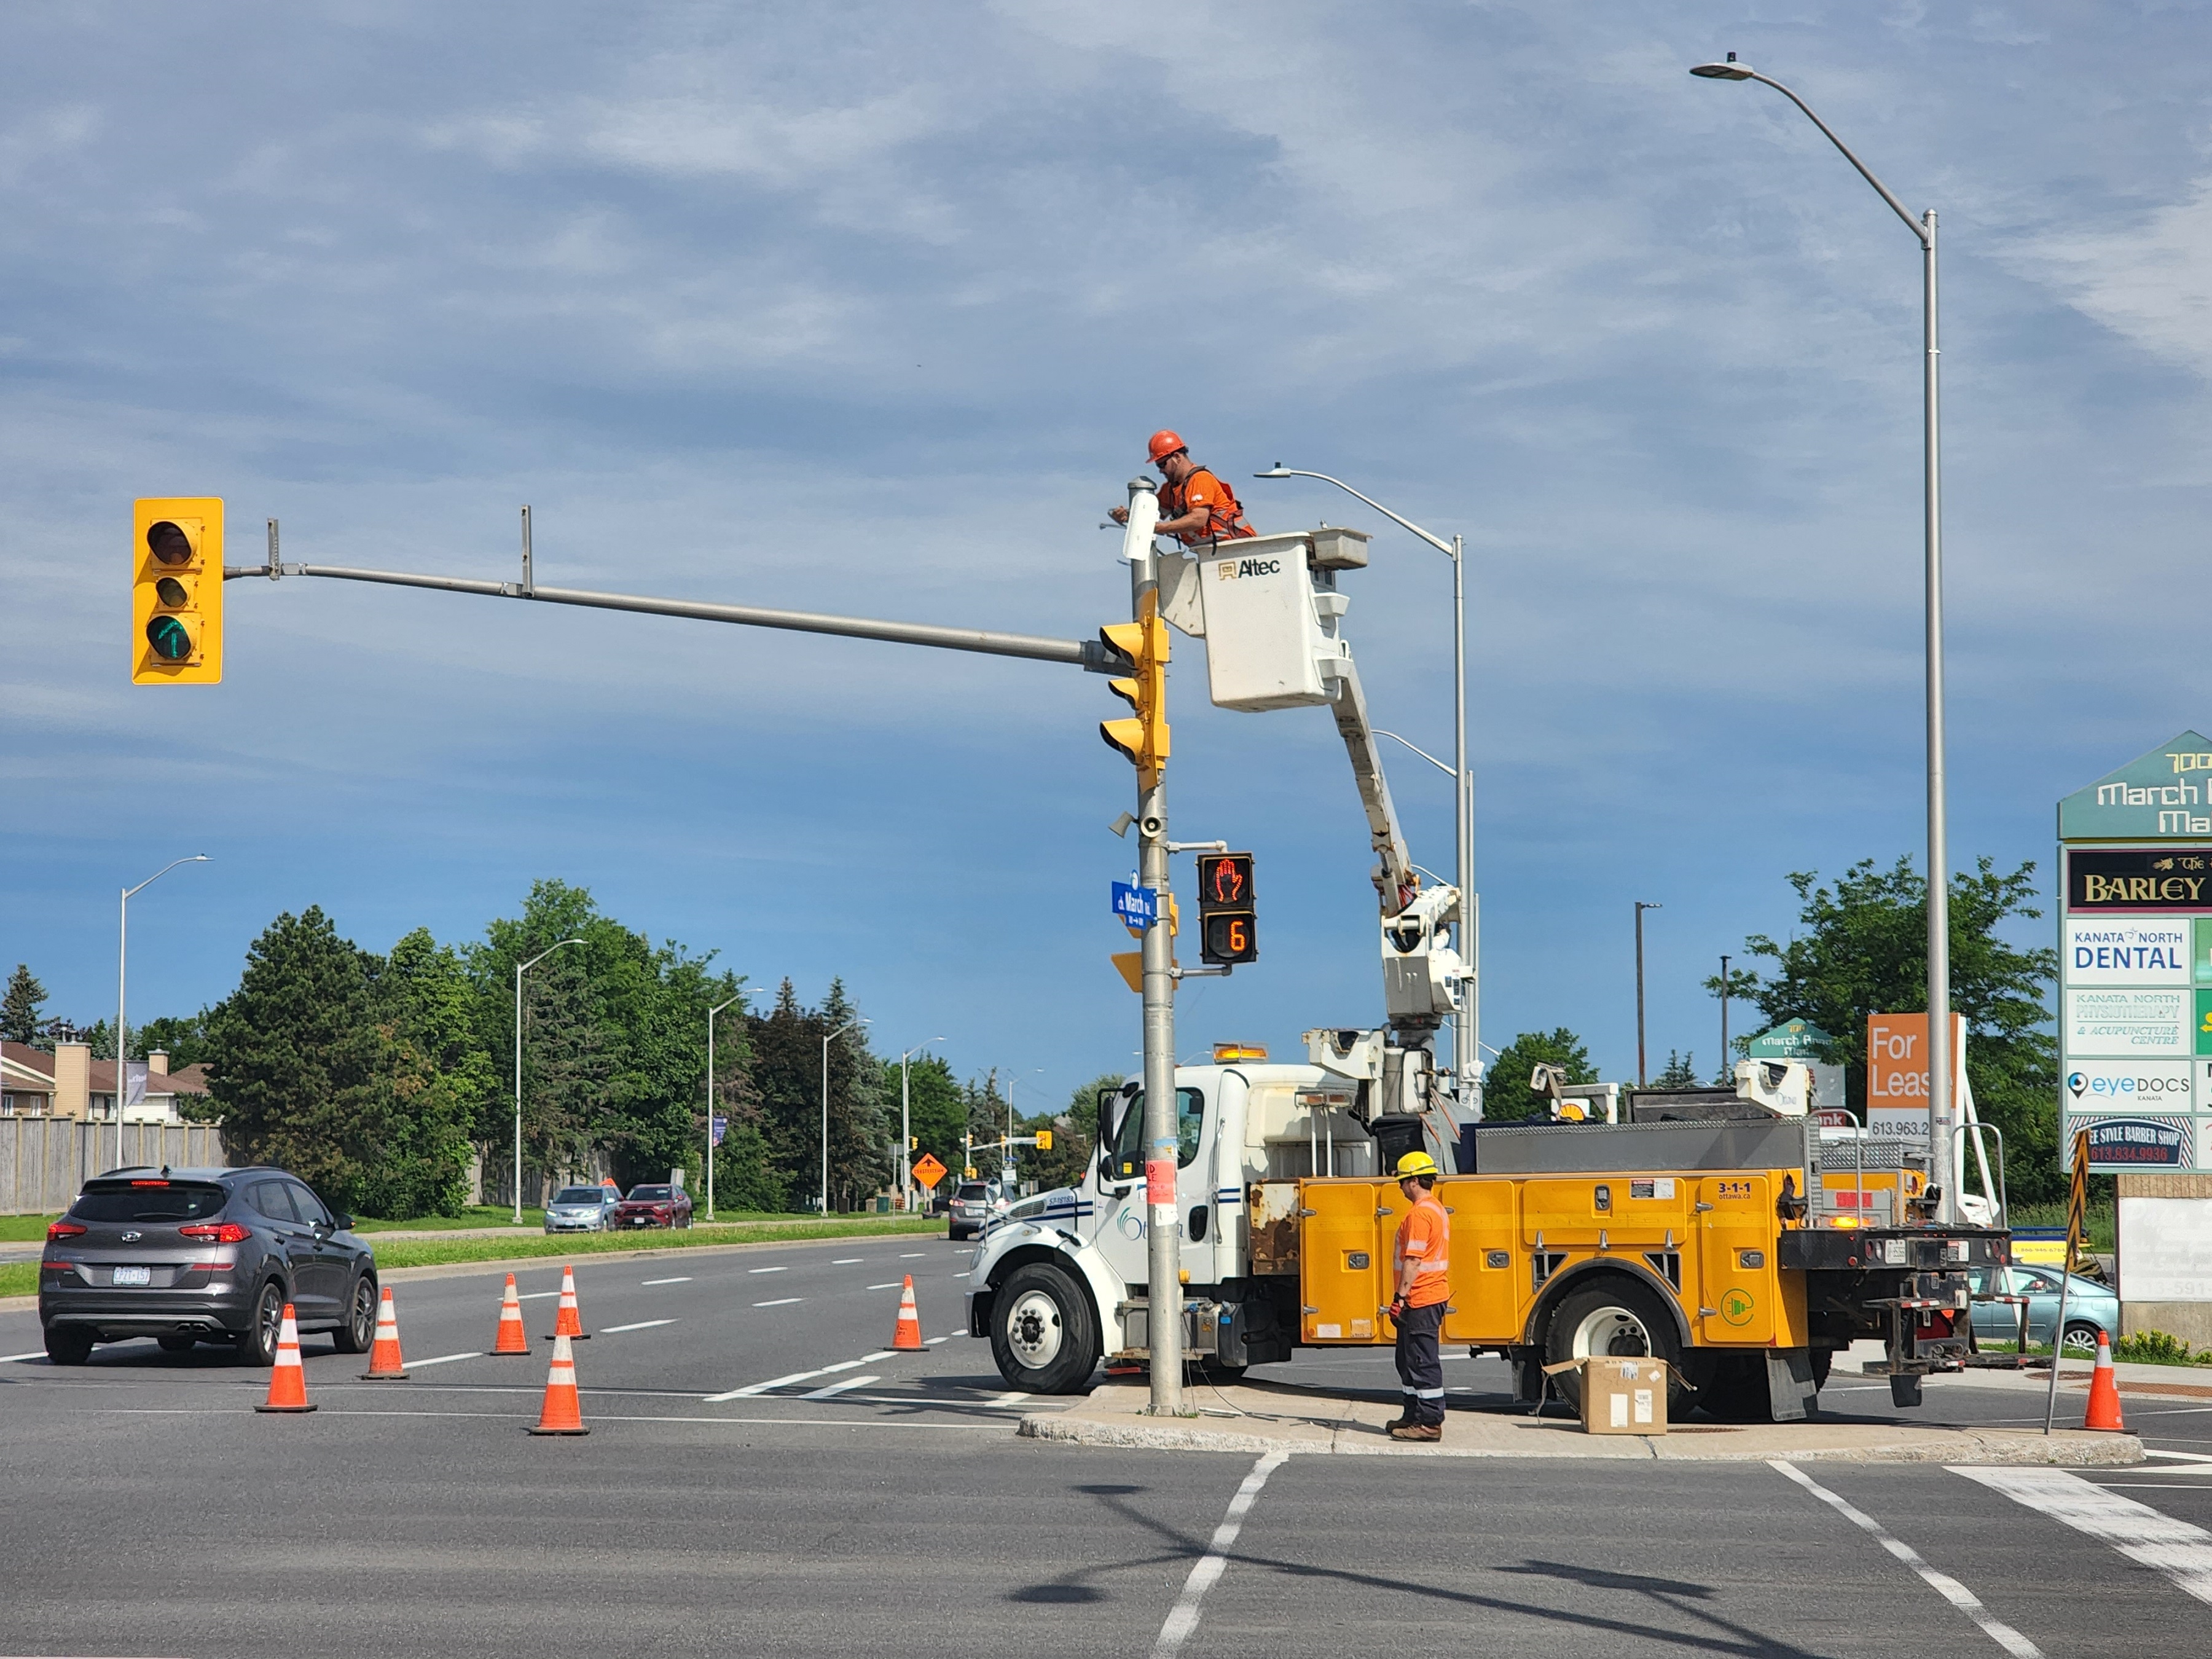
187 1257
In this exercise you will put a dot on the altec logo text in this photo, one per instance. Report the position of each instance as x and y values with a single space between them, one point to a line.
2125 1088
1230 569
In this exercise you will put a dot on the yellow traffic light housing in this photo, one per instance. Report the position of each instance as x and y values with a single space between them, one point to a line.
1143 645
1044 1140
176 590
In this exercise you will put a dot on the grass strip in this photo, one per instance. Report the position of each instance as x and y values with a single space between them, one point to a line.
25 1229
19 1278
398 1251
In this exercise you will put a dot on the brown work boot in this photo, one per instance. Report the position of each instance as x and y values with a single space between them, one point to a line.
1417 1432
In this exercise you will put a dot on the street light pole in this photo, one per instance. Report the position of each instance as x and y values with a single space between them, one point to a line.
906 1127
1940 1057
1641 907
711 1012
1724 1002
826 1041
122 963
520 969
1006 1158
1467 1023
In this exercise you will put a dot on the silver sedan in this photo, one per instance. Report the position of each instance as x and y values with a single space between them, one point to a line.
582 1209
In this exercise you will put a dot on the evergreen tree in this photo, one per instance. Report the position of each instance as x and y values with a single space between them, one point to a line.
1506 1095
1680 1071
20 1007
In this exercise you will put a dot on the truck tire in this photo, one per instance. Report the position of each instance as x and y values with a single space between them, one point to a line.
1620 1317
1733 1387
1042 1335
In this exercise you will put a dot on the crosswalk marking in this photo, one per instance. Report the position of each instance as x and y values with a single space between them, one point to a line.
1941 1583
2182 1552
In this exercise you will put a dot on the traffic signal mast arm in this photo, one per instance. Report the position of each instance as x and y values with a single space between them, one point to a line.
1090 655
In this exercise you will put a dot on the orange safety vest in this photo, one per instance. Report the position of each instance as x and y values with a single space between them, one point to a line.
1425 1236
1225 515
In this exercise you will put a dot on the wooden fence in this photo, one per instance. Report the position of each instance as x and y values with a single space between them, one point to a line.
44 1160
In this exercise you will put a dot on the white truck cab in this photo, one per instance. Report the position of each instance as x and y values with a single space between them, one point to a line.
1058 1282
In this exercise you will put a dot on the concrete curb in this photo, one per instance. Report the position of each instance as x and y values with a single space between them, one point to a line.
2071 1450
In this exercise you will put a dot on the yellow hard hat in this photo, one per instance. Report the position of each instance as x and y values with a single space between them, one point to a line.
1417 1163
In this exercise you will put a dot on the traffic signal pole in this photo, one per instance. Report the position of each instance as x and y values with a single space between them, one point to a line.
1163 1232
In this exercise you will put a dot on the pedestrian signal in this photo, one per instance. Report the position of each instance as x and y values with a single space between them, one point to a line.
176 590
1141 648
1228 925
1044 1140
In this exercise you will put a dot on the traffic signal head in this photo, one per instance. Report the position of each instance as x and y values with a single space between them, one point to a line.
1227 928
1142 646
176 590
1044 1140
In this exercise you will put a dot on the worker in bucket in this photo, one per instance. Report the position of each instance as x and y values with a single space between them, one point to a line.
1423 1259
1195 506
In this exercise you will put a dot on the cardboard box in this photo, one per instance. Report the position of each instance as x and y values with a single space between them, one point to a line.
1621 1397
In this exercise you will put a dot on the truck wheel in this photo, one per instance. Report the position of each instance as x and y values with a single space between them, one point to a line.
1734 1389
1620 1318
1043 1335
1823 1360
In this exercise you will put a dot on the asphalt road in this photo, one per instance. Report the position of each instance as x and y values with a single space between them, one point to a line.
762 1476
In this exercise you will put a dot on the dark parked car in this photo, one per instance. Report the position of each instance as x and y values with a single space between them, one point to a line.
658 1206
970 1212
187 1257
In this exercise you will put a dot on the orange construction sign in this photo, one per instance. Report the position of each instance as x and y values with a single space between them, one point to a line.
927 1170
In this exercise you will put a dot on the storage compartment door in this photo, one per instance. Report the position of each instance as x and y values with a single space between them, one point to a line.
1485 1286
1342 1277
1737 1282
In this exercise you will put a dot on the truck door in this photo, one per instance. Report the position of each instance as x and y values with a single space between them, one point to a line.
1736 1285
1343 1276
1119 1173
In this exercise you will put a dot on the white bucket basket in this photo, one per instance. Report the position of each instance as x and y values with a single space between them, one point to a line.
1253 602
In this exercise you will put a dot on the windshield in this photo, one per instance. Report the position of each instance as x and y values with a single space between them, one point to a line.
1129 1149
577 1195
649 1195
972 1191
149 1201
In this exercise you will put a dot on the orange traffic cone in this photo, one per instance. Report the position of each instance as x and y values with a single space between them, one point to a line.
513 1339
562 1412
909 1334
2104 1391
568 1322
287 1383
385 1365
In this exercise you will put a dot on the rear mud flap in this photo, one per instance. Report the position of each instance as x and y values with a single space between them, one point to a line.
1790 1393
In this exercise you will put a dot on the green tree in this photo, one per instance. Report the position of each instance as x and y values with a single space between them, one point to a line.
1861 948
1680 1071
1074 1134
20 1007
1506 1095
986 1121
787 1061
182 1037
300 1068
937 1111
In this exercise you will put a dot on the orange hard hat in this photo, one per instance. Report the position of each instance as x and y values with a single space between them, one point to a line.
1164 443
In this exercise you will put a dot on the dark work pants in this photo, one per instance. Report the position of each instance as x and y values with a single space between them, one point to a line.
1420 1365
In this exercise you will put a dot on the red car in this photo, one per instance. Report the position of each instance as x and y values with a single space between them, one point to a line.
660 1205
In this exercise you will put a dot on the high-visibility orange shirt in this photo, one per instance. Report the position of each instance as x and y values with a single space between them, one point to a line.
1425 1236
1224 516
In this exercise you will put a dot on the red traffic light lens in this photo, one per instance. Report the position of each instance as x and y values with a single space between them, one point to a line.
167 543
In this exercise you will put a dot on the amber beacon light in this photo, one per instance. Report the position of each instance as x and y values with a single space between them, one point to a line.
176 590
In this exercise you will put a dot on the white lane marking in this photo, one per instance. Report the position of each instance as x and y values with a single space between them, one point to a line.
912 1256
444 1359
839 1387
893 1285
1012 1399
2183 1552
1942 1584
536 1296
599 1417
641 1325
869 1358
752 1389
12 1358
1182 1618
931 1341
842 1365
686 1279
780 1302
2187 1457
767 1270
848 1261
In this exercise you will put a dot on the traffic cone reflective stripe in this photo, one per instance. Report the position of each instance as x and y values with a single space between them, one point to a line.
513 1339
385 1363
2104 1391
568 1322
287 1383
909 1334
562 1412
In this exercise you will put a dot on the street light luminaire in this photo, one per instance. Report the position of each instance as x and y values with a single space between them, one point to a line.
1731 70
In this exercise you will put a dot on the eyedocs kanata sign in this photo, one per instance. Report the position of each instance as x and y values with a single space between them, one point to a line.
2163 1085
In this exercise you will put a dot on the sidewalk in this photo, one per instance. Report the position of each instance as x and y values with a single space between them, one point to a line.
2174 1382
1256 1418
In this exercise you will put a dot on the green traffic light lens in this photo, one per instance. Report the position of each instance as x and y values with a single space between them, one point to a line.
170 640
168 544
171 592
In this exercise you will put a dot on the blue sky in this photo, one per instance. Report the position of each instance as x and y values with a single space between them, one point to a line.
869 307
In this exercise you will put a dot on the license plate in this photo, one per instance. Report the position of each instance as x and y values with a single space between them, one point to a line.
134 1275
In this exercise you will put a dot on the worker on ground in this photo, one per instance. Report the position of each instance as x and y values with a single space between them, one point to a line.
1195 506
1422 1258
